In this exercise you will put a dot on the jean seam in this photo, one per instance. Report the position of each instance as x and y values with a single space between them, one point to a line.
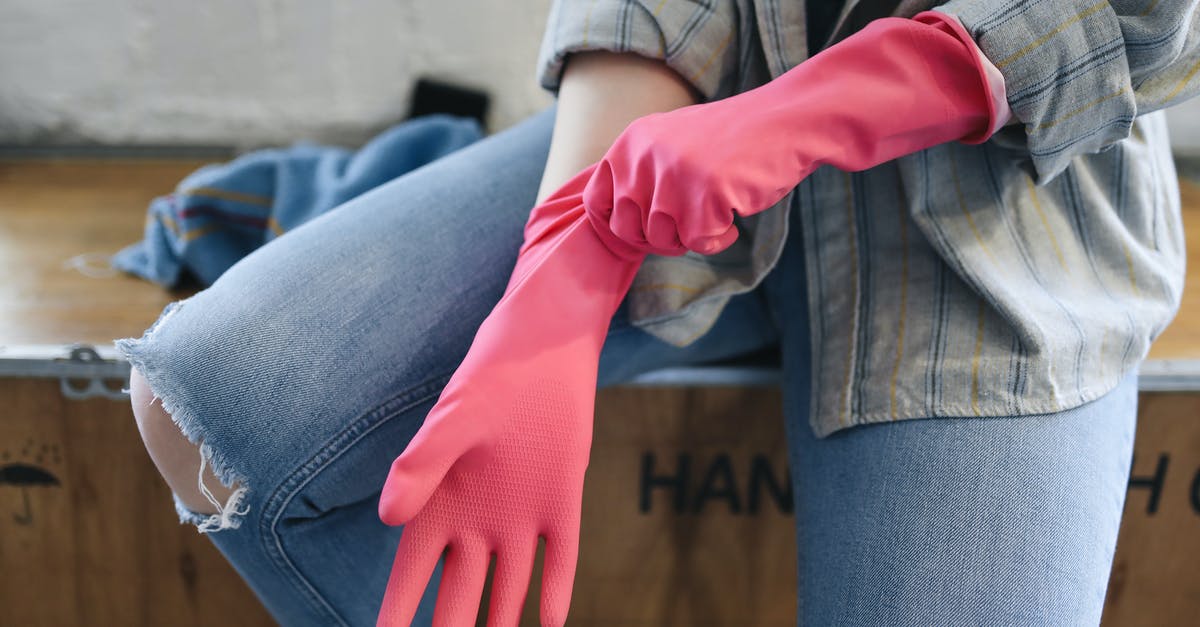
282 495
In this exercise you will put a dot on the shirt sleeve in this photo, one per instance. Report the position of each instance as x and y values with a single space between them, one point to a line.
1077 72
696 38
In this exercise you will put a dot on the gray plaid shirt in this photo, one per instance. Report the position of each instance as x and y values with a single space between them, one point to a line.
1024 275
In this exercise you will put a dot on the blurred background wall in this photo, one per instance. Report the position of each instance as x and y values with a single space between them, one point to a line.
246 73
253 72
1185 128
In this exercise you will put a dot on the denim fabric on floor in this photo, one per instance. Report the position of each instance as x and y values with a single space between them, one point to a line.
222 211
309 364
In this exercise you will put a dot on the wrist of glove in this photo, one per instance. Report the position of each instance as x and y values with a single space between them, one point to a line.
674 181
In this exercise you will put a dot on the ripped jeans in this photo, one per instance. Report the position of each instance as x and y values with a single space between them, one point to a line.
306 368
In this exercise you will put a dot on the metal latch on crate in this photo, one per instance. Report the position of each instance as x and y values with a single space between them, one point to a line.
69 363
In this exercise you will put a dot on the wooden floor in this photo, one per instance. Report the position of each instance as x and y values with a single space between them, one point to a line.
104 204
52 211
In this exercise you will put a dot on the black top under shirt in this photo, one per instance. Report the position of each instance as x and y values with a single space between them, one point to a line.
819 17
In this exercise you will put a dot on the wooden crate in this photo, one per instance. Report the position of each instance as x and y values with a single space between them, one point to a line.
89 536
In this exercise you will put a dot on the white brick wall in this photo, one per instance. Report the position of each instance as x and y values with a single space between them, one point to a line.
247 72
1185 128
260 72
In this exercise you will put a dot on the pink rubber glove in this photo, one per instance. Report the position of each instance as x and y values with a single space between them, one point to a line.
673 181
500 458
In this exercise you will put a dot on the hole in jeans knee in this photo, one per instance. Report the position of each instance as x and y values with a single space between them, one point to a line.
228 515
169 386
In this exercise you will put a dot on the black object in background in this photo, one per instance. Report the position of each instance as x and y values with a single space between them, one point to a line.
431 96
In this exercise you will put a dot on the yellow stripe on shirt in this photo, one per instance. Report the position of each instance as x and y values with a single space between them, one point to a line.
1095 8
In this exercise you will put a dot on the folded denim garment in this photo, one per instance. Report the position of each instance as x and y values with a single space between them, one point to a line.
222 212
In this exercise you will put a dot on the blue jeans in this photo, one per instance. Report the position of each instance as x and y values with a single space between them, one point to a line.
308 365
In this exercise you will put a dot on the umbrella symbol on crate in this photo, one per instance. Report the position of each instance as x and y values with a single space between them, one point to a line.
23 476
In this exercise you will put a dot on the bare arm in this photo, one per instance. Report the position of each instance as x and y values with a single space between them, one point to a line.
601 93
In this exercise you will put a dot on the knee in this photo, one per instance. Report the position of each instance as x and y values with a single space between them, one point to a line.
177 459
159 432
142 398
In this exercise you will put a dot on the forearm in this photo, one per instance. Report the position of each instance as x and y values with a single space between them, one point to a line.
676 181
601 93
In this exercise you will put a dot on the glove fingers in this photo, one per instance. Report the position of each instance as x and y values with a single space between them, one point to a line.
663 233
558 575
597 194
510 585
712 244
415 560
626 222
418 471
713 229
462 585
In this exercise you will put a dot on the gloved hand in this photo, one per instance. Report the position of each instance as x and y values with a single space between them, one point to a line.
673 181
500 459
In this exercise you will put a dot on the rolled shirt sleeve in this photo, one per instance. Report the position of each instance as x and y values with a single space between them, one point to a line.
1077 72
694 38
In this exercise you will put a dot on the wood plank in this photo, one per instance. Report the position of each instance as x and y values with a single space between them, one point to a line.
52 210
654 563
104 203
102 545
1154 577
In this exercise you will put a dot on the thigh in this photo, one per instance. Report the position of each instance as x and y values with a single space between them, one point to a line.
950 521
964 521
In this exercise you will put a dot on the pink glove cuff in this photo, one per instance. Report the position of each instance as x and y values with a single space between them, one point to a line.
953 27
996 85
